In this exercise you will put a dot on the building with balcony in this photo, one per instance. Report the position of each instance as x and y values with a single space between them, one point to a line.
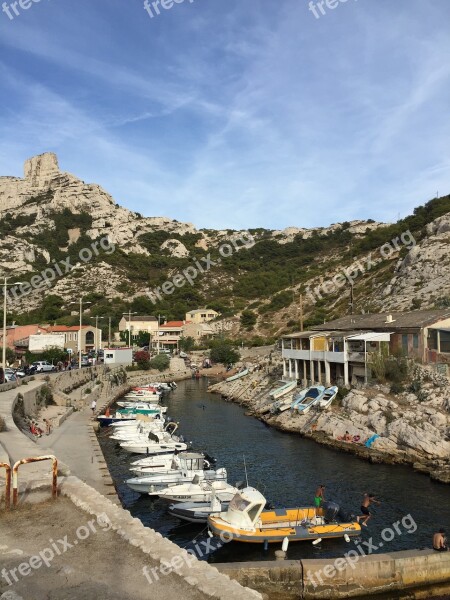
339 351
136 323
168 336
201 315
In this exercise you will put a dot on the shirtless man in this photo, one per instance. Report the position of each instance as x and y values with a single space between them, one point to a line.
367 501
439 541
319 497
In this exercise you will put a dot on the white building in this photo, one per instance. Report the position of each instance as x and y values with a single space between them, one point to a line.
118 356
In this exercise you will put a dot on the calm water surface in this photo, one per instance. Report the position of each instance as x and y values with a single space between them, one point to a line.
287 470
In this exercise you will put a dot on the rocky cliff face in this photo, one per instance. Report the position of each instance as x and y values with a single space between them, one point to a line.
28 207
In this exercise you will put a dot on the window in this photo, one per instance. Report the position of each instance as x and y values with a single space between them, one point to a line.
203 316
445 341
405 343
109 355
432 339
75 337
415 341
70 337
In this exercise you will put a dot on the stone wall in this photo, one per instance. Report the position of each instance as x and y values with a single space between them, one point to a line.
420 571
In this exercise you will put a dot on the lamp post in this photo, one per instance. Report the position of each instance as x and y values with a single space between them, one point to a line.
128 314
157 333
81 328
5 288
98 344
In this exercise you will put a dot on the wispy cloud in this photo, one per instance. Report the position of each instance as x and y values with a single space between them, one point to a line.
235 114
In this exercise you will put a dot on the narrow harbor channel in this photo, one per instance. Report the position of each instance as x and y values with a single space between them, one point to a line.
286 469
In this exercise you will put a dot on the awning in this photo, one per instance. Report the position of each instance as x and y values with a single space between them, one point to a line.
372 337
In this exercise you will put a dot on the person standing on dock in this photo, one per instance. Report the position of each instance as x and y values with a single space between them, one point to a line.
93 406
367 501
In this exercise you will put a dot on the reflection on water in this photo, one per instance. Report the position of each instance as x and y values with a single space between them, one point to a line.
287 470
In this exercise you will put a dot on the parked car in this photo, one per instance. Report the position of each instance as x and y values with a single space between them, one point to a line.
86 362
183 354
43 366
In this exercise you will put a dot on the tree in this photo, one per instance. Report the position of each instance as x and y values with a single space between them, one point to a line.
223 352
248 319
160 362
10 356
142 359
143 339
54 354
187 343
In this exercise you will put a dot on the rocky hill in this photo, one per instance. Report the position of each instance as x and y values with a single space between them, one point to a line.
51 220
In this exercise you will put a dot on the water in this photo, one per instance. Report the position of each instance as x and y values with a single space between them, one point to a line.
286 469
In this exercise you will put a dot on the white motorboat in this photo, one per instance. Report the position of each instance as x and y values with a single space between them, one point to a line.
155 443
327 398
141 405
190 465
153 464
197 512
199 491
139 432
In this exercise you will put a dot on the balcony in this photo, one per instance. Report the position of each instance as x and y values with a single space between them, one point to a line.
356 357
296 354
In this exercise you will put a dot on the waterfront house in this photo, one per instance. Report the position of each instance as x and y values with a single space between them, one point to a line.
201 315
198 331
168 336
339 351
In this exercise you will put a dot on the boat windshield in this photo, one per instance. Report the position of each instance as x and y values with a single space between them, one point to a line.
239 503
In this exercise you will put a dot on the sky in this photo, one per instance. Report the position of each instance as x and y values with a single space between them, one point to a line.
234 113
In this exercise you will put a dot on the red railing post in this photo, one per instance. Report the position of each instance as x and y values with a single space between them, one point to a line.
24 461
7 467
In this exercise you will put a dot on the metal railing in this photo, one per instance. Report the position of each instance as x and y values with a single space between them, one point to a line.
15 474
7 467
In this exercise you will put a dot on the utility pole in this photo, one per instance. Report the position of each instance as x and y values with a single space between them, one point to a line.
301 312
351 299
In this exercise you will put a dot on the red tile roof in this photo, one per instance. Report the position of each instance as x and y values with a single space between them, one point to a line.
172 324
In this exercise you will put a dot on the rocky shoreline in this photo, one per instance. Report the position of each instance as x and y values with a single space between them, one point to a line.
412 428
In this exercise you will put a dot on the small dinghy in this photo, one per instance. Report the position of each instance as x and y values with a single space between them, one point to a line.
247 521
303 404
327 398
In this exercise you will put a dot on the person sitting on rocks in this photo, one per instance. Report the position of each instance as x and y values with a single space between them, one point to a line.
440 541
348 437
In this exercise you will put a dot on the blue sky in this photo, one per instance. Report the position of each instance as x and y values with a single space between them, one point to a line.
235 113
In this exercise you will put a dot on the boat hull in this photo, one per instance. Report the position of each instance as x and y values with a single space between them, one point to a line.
284 523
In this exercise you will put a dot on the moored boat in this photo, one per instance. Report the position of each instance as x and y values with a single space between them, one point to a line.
246 521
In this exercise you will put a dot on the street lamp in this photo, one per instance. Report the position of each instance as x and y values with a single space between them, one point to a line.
128 314
81 327
157 333
98 344
5 286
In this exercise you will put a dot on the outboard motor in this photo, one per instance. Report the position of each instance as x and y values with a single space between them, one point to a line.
331 510
345 517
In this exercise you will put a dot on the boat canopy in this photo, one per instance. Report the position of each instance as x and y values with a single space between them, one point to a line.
245 509
372 337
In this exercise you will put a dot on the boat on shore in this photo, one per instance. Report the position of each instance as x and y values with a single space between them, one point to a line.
246 521
306 401
241 373
327 398
284 389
